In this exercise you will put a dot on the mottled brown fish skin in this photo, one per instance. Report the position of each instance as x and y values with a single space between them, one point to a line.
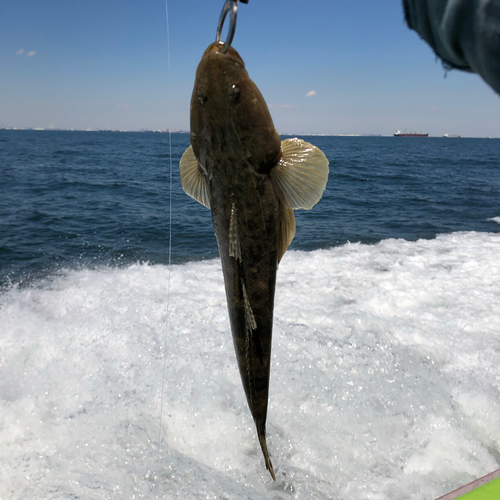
237 146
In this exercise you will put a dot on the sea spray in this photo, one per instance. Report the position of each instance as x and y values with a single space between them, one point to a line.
386 378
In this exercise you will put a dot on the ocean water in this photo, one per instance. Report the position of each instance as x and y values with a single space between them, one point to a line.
385 382
91 198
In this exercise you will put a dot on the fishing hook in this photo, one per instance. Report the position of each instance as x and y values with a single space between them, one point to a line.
229 5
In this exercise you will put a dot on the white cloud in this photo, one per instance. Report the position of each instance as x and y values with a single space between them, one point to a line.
19 52
311 93
31 53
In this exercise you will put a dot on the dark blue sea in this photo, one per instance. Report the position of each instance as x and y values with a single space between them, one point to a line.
70 199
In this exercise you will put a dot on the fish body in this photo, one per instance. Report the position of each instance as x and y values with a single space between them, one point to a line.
237 166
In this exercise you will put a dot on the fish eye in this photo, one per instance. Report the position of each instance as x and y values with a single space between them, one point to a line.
202 97
234 93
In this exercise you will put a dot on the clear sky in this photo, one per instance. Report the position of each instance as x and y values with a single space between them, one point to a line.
99 64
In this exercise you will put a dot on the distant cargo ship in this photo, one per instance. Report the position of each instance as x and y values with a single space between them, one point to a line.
409 134
451 136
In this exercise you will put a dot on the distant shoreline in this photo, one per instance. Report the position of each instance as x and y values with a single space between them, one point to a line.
166 131
38 129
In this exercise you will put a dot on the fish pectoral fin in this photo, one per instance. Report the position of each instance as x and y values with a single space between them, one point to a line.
300 176
193 181
287 228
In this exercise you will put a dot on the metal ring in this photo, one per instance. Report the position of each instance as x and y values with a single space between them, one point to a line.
230 5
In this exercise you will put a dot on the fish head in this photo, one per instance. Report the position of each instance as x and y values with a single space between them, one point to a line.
229 117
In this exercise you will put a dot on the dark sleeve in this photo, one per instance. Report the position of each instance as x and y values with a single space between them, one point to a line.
465 34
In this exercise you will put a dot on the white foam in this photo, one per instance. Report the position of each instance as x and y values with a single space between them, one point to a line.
495 219
385 379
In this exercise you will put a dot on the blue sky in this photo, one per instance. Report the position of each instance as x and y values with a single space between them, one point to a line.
99 64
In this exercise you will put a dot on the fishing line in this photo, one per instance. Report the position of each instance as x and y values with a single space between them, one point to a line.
167 320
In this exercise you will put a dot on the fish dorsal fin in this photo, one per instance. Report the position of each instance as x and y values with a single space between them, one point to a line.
234 235
250 323
287 228
300 176
193 181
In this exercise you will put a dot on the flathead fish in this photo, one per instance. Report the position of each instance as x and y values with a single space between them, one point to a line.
238 167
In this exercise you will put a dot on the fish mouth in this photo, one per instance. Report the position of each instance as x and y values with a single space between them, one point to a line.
216 48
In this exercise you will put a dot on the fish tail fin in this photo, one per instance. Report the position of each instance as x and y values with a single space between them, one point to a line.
263 445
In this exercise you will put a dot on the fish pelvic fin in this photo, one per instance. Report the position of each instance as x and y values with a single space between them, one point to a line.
287 228
267 459
193 181
300 176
